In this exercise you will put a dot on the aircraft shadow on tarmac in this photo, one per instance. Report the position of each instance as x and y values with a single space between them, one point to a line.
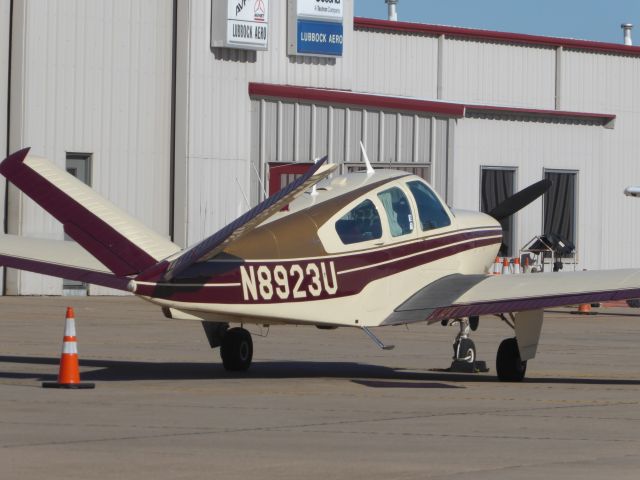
372 376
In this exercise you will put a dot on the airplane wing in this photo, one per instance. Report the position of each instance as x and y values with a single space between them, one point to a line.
216 243
458 296
57 258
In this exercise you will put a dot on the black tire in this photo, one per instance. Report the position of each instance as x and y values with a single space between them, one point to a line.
467 352
509 366
236 350
634 302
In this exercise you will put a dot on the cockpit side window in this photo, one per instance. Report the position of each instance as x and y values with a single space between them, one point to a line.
360 224
398 211
431 212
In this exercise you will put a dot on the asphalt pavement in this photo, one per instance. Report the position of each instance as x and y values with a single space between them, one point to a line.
316 404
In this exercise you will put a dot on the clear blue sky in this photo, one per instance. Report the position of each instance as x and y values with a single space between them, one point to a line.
597 20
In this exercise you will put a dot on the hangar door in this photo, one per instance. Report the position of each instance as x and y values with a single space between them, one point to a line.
286 132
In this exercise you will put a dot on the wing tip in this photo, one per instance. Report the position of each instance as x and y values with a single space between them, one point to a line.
13 160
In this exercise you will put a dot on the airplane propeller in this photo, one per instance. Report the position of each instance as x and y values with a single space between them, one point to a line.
521 199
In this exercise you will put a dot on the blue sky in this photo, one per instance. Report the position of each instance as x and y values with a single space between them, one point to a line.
584 19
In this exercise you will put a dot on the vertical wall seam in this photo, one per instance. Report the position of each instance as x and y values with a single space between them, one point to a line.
172 140
7 133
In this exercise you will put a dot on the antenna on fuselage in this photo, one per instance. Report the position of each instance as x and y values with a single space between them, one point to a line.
314 190
370 170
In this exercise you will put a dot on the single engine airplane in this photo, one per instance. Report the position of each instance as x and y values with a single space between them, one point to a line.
365 249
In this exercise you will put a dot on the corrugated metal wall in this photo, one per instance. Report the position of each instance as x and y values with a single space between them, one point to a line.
610 83
300 132
396 64
459 70
498 74
530 147
93 76
214 138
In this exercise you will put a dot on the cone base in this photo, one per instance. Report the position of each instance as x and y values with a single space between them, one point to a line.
74 386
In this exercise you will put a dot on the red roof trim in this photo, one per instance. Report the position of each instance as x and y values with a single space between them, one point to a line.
449 109
436 30
360 99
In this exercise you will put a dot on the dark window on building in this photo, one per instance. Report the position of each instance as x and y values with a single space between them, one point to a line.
78 165
430 210
496 185
360 224
560 205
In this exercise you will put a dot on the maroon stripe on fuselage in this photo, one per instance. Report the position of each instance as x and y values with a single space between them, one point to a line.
313 279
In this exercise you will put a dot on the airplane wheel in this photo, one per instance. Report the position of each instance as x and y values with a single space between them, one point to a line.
467 351
509 366
236 350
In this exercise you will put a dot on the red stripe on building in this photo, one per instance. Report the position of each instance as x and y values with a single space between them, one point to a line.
449 109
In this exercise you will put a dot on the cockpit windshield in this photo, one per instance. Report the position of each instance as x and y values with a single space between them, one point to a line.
431 212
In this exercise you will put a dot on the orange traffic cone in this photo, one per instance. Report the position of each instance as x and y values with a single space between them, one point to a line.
497 266
506 270
516 266
527 267
69 375
584 309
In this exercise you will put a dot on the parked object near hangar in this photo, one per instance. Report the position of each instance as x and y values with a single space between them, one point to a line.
366 249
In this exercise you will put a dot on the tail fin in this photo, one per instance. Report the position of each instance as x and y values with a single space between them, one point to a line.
122 243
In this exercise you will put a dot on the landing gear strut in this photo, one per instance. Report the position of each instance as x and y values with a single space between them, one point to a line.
236 350
464 350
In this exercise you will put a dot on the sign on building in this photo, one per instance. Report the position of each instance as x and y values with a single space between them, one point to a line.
242 24
315 27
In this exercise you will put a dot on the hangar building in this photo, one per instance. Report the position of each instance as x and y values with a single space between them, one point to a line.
185 113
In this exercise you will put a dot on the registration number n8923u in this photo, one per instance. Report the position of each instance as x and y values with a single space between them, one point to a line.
288 282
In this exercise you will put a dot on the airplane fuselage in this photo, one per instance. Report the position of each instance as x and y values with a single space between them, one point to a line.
265 279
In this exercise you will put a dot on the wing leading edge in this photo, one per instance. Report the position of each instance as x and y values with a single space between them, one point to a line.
458 296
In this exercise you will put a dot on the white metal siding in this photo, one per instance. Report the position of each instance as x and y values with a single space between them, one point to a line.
95 76
215 156
531 147
395 64
498 74
609 83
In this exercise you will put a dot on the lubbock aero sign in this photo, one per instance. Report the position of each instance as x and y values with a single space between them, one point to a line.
242 24
315 28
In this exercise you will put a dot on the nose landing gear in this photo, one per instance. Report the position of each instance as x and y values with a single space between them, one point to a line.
464 350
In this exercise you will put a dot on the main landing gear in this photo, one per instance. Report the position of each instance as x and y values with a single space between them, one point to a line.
236 350
464 350
236 346
513 353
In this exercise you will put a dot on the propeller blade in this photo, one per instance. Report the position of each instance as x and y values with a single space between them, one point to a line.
521 199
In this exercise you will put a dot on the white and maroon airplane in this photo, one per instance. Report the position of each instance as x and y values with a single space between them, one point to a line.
362 250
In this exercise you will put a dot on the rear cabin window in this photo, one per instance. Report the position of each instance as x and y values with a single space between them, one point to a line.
398 211
360 224
430 210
